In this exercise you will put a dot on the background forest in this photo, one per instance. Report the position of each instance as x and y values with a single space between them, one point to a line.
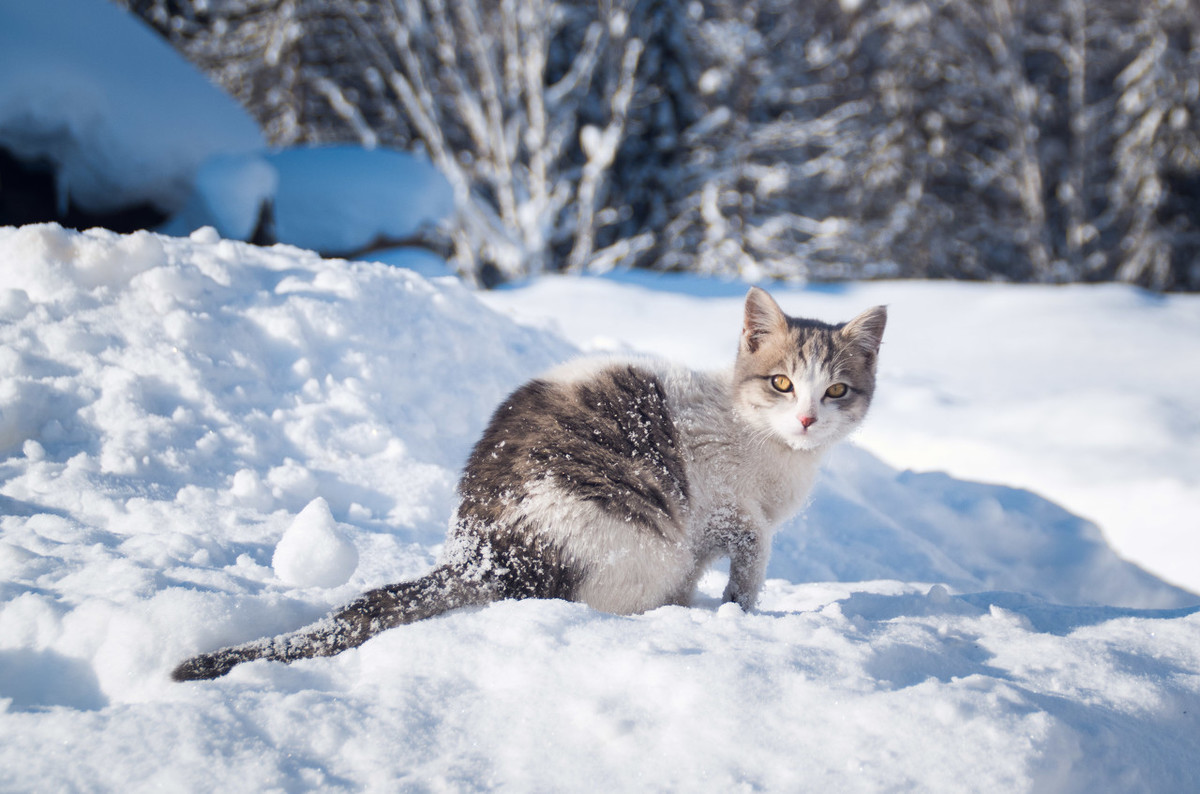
816 139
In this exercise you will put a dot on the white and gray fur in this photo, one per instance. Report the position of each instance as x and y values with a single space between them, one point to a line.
616 482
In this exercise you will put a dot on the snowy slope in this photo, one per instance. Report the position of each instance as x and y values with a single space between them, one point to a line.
175 413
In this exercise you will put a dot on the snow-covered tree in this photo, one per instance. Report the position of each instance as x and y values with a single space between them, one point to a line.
999 139
523 105
1032 141
294 64
1155 186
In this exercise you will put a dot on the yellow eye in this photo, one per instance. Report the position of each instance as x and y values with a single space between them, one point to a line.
782 383
837 390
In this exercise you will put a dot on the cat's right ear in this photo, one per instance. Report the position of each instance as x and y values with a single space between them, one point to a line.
763 318
866 330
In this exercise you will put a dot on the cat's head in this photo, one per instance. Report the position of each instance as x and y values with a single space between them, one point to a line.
804 383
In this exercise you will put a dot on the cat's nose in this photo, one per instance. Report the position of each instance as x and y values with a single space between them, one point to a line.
807 421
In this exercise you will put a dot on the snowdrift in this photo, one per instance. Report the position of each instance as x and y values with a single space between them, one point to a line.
184 422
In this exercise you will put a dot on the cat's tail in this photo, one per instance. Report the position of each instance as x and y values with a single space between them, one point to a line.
443 589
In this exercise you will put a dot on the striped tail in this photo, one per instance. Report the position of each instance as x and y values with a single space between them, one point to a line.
441 590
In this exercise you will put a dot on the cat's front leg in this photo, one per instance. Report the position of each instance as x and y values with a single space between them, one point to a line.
748 554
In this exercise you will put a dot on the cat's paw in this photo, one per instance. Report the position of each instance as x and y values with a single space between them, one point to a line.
744 600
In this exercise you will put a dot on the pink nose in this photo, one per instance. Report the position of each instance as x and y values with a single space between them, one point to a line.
808 421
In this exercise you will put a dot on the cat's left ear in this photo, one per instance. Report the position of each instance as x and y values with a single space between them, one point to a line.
866 330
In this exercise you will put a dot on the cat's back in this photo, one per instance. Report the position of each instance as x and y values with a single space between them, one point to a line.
605 432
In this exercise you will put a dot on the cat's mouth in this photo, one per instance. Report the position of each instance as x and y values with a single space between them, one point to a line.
805 439
802 438
806 444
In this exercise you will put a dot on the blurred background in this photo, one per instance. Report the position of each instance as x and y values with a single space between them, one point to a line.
1049 141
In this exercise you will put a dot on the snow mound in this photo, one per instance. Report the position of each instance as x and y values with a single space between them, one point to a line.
313 552
867 521
229 194
123 117
341 199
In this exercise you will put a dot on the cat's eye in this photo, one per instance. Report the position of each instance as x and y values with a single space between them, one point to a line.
837 390
781 383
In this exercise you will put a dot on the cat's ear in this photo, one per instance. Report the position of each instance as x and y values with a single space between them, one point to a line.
762 319
866 330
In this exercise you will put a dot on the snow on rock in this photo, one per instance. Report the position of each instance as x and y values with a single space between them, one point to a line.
343 198
168 406
313 552
333 199
229 194
125 119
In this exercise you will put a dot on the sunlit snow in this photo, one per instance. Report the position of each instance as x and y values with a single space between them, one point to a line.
171 409
204 442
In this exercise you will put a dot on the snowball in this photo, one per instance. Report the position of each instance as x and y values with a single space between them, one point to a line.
313 552
206 235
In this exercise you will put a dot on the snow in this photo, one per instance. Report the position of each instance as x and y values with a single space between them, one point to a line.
123 117
313 552
229 194
183 419
204 442
334 199
341 199
124 120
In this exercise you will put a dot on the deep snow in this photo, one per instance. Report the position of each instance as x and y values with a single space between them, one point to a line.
172 410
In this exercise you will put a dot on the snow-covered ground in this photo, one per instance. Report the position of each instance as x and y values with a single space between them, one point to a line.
203 442
181 420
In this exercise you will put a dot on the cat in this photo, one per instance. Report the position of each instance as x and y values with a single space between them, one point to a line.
617 481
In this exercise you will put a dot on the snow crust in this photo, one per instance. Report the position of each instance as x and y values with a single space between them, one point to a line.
172 410
125 119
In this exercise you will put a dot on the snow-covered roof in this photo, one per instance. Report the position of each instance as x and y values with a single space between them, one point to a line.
123 118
